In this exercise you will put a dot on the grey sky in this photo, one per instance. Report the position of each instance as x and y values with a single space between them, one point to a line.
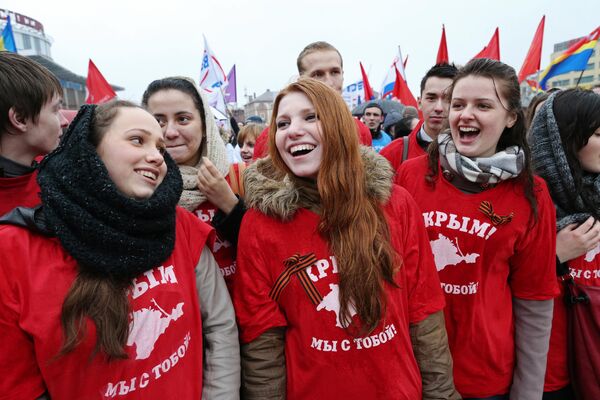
134 42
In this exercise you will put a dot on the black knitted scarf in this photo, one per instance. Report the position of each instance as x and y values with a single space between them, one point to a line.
550 162
108 233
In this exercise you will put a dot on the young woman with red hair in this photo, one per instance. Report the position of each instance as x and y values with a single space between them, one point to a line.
337 295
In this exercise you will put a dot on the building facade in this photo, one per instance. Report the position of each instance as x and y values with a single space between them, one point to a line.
32 41
261 105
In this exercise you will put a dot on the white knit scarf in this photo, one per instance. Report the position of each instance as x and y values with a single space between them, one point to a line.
213 148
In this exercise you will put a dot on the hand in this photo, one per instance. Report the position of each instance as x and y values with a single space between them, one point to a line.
573 241
215 187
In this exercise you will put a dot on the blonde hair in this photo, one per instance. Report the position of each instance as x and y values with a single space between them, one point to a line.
249 132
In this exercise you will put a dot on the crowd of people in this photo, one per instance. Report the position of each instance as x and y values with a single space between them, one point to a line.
447 253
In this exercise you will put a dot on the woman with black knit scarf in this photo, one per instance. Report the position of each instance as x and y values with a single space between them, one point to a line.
565 137
108 288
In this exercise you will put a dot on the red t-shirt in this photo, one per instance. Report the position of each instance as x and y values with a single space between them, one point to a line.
393 151
22 191
222 249
322 359
482 267
261 146
164 346
586 272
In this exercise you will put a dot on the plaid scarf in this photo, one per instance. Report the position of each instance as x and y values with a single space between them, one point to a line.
501 166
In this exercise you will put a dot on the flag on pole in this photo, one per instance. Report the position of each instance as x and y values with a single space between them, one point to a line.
367 86
99 90
212 75
575 58
394 85
492 50
7 40
231 91
387 87
442 55
531 65
213 79
402 92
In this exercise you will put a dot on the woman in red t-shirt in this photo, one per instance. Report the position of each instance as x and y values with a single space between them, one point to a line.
572 172
109 289
192 138
491 229
337 296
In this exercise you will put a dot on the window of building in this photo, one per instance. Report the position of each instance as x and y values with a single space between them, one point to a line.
36 45
562 83
71 99
26 42
587 79
590 66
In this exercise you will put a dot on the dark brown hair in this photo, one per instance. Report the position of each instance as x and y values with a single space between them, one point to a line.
102 299
24 85
357 231
506 83
533 104
184 85
577 114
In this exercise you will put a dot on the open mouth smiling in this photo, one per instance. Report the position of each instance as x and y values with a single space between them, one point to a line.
301 149
467 132
147 174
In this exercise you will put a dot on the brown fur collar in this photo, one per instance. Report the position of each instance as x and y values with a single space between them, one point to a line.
280 197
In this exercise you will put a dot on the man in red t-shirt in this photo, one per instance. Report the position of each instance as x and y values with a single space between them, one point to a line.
434 107
30 126
323 62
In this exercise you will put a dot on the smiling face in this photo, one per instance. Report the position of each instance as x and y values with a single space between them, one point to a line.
132 150
298 135
478 116
181 124
247 150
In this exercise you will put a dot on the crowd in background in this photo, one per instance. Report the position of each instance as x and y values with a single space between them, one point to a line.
442 253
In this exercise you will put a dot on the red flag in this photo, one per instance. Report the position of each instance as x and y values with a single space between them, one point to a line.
368 91
402 92
531 65
442 55
99 91
492 50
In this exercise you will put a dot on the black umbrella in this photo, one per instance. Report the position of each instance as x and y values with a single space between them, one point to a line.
387 106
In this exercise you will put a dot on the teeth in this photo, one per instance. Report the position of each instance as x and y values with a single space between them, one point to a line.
301 147
468 129
147 174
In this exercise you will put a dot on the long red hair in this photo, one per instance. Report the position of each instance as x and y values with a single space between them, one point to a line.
351 221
